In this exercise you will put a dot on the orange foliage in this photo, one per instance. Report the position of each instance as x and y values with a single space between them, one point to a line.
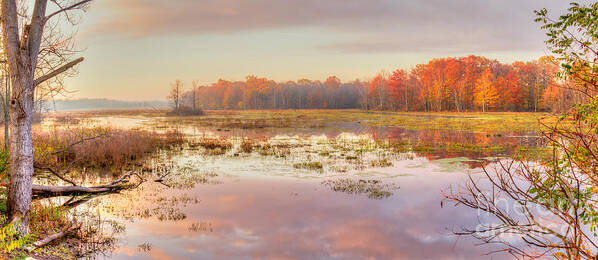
469 83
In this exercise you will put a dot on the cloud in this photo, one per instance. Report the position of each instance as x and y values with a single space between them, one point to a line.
355 25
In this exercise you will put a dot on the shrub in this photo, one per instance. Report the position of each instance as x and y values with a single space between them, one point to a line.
10 240
186 111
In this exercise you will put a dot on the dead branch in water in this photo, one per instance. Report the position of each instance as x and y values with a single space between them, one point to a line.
53 172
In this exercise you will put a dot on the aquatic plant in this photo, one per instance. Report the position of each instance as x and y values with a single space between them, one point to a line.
375 189
384 162
309 165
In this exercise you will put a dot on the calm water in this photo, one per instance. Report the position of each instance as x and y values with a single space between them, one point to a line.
252 206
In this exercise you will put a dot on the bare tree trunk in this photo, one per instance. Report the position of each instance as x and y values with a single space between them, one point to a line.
5 110
21 148
21 54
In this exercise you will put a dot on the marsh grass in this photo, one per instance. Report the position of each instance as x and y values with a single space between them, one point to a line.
99 147
492 123
383 162
277 150
308 165
374 189
212 145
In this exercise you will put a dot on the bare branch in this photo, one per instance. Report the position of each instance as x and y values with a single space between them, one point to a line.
59 70
64 9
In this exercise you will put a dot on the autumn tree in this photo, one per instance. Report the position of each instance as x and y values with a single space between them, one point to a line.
398 89
485 95
378 91
444 84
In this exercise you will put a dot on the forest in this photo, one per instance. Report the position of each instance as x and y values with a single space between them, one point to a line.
471 83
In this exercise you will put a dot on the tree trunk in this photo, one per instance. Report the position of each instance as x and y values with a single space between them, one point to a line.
21 147
21 59
22 52
6 101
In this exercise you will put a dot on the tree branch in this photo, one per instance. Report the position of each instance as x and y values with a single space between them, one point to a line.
57 71
33 36
64 9
53 172
10 33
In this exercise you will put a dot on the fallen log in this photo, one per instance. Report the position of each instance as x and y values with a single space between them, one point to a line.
50 238
42 242
50 191
72 190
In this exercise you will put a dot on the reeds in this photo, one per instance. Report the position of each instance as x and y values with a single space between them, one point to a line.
99 147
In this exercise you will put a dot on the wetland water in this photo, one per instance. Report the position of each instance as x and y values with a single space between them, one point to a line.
347 192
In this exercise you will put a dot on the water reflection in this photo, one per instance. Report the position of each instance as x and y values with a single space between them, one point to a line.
245 202
279 217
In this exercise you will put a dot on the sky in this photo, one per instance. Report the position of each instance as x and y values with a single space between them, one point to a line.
133 49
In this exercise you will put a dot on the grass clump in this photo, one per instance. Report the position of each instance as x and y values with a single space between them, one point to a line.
213 146
247 146
214 143
384 162
375 189
309 165
277 150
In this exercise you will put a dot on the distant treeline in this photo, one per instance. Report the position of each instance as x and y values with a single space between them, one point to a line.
100 104
470 83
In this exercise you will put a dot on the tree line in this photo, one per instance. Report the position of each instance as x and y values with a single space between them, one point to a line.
471 83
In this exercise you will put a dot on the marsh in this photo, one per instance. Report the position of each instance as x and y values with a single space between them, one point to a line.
344 187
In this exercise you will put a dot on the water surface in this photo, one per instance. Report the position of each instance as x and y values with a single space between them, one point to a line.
253 206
